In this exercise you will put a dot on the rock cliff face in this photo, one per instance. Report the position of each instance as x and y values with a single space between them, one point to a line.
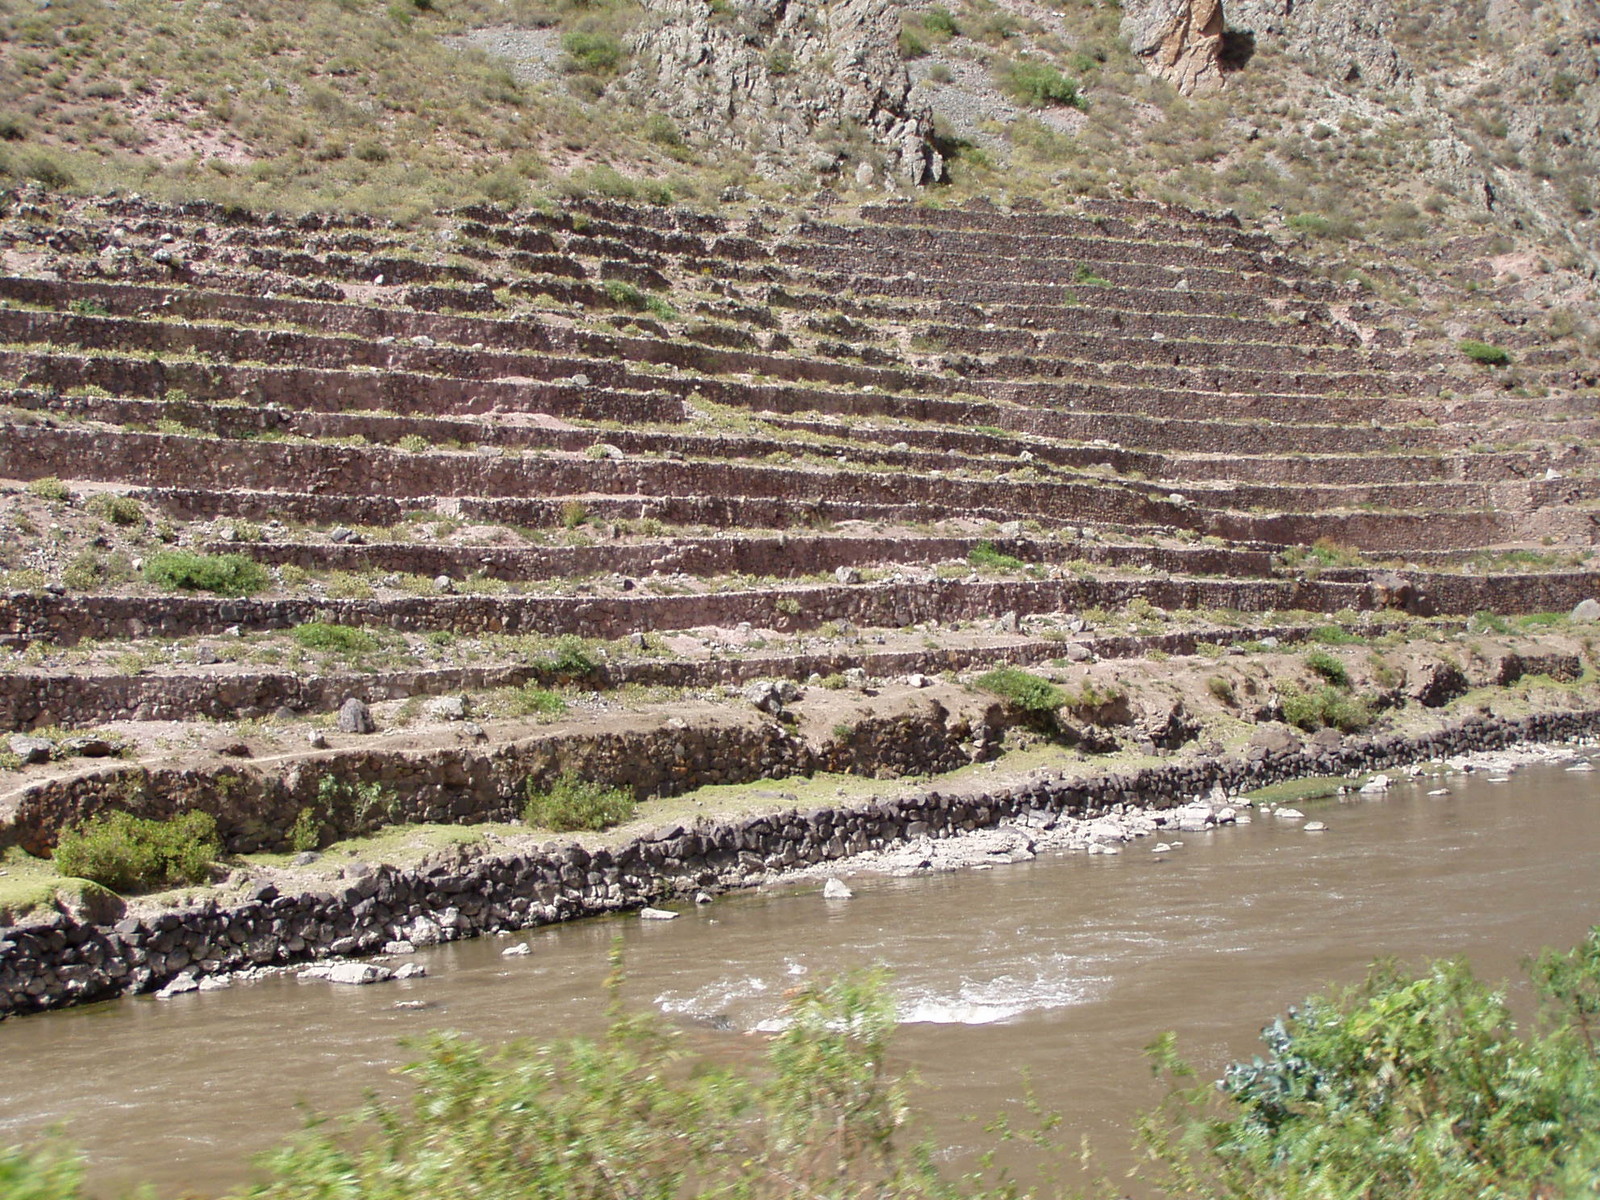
801 85
1341 40
1179 40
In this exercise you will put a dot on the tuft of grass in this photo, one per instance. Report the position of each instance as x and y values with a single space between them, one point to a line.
573 803
132 854
220 574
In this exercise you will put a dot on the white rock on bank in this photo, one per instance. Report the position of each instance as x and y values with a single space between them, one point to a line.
835 889
516 951
656 914
358 974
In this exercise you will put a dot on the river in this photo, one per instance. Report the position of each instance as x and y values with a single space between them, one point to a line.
1064 967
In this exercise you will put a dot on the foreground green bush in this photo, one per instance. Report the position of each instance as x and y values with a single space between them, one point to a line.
222 574
571 803
132 854
1410 1087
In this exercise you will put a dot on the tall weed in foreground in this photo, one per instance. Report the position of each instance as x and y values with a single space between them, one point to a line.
632 1114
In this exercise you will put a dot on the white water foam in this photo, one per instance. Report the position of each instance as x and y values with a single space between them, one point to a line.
1052 983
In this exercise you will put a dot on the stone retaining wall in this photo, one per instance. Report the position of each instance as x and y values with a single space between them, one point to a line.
64 962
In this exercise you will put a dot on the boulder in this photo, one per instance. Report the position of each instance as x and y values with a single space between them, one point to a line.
835 889
358 974
30 749
1586 610
447 708
356 717
1276 739
656 914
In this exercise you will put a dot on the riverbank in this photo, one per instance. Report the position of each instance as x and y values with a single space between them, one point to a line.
381 908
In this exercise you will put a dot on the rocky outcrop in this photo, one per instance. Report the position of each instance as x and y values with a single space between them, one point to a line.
1342 40
804 87
1179 40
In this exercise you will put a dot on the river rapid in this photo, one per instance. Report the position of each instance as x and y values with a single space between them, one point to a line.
1062 967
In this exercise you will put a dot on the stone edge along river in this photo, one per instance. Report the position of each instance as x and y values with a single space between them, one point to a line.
388 911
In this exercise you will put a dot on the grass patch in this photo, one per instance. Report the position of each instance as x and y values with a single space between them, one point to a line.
984 555
572 803
1290 791
342 639
132 854
221 574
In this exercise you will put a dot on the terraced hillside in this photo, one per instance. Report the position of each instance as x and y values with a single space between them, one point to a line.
669 498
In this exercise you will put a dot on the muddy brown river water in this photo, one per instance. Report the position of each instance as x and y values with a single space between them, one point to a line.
1064 967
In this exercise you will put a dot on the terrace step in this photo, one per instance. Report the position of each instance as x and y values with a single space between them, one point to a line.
32 699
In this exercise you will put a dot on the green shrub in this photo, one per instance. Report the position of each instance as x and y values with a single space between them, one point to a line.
1022 689
1335 635
1419 1086
913 43
131 854
1222 688
343 807
321 635
533 701
941 21
570 656
1483 353
594 53
49 488
90 569
572 803
119 510
1038 85
1329 706
222 574
985 555
1320 662
625 295
306 832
